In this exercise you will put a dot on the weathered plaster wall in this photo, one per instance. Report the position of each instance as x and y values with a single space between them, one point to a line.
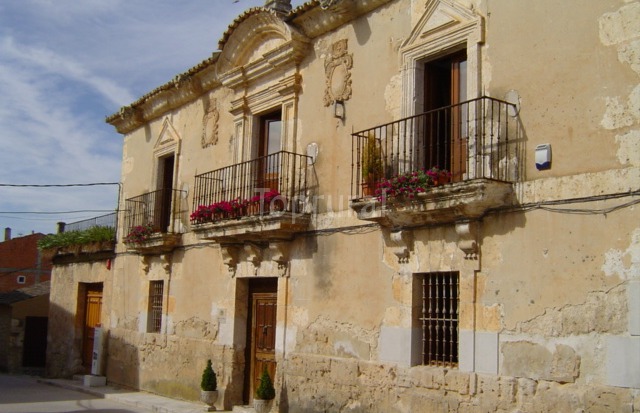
66 320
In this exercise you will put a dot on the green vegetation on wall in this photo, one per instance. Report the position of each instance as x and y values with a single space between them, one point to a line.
88 236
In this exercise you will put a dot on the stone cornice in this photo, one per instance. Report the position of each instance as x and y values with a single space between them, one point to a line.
316 21
182 89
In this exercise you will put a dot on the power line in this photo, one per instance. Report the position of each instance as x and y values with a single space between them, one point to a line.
57 185
56 212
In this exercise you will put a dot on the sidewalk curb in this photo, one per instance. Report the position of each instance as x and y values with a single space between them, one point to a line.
134 398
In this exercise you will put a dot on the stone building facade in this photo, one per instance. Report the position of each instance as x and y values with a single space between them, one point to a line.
495 270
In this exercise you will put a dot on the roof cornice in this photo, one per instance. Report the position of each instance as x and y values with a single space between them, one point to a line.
305 22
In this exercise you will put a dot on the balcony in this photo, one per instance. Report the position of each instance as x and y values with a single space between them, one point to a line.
82 241
153 221
258 200
447 165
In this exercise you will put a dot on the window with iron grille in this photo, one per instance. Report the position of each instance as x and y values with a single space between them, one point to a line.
439 318
156 290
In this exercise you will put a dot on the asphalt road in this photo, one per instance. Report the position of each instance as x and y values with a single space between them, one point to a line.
21 394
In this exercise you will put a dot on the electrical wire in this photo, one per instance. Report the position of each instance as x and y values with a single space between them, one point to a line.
56 212
57 185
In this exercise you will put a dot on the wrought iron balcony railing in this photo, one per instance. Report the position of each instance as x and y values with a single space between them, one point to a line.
157 210
252 188
108 220
475 139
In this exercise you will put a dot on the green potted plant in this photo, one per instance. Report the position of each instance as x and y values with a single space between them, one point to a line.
209 387
371 164
265 393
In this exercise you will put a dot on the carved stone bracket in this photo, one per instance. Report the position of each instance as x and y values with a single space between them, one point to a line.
468 242
254 253
337 68
146 263
165 261
280 253
401 244
230 253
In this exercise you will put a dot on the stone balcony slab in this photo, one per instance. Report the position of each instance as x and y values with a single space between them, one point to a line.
158 243
462 201
271 227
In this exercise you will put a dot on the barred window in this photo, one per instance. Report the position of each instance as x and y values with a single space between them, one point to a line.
156 290
440 319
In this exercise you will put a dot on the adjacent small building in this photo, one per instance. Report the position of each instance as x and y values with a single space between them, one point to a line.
21 263
24 303
389 205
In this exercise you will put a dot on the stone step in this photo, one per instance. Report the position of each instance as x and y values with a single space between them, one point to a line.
243 409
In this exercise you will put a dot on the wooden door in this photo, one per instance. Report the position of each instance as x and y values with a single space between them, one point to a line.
93 308
270 143
263 337
459 118
446 121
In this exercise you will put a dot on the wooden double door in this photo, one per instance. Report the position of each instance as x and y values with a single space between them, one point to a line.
261 329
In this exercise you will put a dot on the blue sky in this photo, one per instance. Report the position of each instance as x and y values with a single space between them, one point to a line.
67 64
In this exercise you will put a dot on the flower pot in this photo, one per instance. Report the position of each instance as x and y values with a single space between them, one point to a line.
262 406
209 398
253 209
368 189
443 178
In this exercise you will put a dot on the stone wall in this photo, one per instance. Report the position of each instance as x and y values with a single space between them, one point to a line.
321 384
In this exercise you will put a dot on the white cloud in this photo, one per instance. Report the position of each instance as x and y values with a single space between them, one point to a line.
50 63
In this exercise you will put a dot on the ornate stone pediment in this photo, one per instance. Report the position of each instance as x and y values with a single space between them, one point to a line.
446 19
257 44
167 140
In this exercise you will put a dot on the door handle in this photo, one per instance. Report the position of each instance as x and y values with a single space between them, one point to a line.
264 329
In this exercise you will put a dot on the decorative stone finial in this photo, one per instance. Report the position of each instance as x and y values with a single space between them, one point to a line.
279 6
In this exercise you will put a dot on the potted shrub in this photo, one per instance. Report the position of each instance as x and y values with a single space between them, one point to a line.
265 393
209 386
371 165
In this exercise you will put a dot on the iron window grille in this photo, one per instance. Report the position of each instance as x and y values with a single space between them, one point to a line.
156 290
440 301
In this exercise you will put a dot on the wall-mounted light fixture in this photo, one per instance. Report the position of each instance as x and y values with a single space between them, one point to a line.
338 109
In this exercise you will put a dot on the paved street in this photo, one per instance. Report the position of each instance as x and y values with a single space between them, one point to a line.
25 394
